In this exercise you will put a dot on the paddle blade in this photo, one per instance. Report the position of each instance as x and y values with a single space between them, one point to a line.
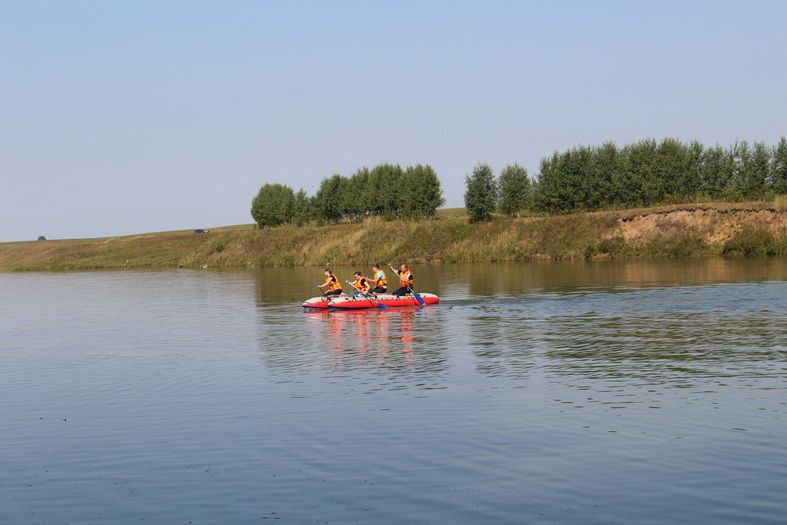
418 298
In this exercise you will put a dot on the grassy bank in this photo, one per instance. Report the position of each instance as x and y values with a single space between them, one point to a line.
674 231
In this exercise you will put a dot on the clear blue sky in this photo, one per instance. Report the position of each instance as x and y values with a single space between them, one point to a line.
123 117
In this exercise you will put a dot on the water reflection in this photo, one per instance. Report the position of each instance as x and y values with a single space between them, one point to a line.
480 282
400 342
511 279
644 321
680 337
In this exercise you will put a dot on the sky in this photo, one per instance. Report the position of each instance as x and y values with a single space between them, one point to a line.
126 117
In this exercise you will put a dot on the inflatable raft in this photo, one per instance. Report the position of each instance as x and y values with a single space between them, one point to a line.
348 302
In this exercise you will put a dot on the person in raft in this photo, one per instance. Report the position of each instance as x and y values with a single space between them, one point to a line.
406 280
361 283
380 281
332 282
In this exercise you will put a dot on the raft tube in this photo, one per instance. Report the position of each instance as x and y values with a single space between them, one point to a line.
320 303
347 302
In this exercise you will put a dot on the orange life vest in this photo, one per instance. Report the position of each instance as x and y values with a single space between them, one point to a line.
380 280
334 285
406 279
361 284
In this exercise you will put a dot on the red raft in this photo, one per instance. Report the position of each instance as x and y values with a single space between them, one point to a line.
348 302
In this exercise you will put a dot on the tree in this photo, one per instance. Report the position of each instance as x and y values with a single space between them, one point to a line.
382 195
421 192
609 172
391 177
671 171
327 201
273 205
353 191
375 192
649 172
743 168
757 185
514 188
303 208
691 182
545 190
481 193
715 172
779 167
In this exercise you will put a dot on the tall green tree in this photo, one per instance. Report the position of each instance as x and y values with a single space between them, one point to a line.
671 171
514 189
553 187
273 205
383 190
353 191
715 173
303 208
609 172
691 181
328 201
779 167
375 191
421 192
743 166
481 193
643 184
757 185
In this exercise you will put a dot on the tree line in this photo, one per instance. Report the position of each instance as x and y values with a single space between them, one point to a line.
650 172
583 178
640 174
386 190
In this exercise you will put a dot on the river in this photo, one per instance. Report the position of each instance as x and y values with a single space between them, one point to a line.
605 392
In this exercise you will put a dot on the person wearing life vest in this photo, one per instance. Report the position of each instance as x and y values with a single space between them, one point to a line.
361 283
380 282
406 281
332 282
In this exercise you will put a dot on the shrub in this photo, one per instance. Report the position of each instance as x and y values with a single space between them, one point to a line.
681 244
613 246
751 242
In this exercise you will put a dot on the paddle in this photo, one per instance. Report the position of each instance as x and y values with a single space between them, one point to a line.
415 294
378 304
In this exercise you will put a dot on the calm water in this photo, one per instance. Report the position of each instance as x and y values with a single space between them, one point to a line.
608 392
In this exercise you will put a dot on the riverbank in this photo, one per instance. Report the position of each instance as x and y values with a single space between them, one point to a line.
674 231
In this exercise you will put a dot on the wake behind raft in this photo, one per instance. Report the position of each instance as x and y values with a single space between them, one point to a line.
348 302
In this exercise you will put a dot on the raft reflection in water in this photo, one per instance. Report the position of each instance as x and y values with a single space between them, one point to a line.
383 338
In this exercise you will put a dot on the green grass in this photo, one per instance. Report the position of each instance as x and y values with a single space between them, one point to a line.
451 212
